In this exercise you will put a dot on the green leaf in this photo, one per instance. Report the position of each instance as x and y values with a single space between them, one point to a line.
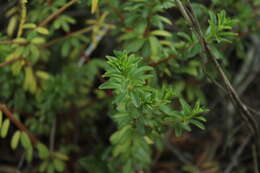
94 5
43 166
42 30
165 20
134 45
15 139
135 98
59 165
29 154
121 134
5 128
154 44
201 118
109 85
43 150
29 26
25 140
65 49
178 131
51 168
198 124
1 118
38 40
140 27
192 51
35 53
185 106
128 167
161 33
148 140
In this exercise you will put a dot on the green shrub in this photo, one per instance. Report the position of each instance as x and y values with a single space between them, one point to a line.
57 86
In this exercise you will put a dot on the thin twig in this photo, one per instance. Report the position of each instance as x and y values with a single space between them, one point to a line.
178 154
81 31
175 151
254 153
56 13
20 163
92 46
18 123
13 42
12 61
245 113
234 160
52 135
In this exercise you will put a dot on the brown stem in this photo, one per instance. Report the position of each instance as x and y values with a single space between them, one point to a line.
56 13
18 123
246 115
81 31
13 42
12 61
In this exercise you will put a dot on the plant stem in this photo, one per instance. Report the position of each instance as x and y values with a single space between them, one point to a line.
56 13
18 123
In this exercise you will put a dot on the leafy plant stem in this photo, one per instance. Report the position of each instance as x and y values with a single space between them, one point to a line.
56 13
245 113
18 124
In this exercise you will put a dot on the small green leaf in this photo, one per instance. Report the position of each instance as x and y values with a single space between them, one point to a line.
185 106
43 151
42 30
38 40
51 168
135 98
65 49
1 118
201 118
94 6
25 140
109 85
5 128
148 140
59 165
121 134
15 139
198 124
29 154
29 26
134 45
165 20
154 44
128 167
43 166
161 33
178 131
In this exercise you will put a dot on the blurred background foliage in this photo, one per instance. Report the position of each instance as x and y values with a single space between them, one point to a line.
60 113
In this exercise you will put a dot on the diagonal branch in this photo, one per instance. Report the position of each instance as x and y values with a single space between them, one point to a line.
56 13
245 113
12 61
18 123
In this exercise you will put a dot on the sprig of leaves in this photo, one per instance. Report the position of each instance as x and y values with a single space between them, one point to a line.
141 110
